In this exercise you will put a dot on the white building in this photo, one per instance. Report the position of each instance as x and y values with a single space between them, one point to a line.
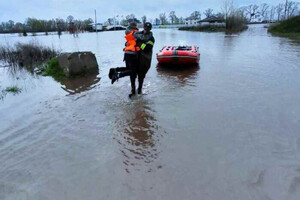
98 26
257 18
191 21
212 20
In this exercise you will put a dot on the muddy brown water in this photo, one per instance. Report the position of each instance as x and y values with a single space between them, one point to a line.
228 129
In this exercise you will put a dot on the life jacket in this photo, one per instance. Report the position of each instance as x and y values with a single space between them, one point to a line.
131 43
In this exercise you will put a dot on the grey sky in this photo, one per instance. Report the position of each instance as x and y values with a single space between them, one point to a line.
18 10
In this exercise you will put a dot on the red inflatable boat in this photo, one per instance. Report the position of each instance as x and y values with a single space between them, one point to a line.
178 55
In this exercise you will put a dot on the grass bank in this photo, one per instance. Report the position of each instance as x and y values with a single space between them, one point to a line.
287 28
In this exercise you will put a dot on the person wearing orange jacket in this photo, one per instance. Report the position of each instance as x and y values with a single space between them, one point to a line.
130 58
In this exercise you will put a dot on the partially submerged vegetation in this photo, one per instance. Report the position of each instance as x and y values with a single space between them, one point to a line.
289 28
236 22
52 68
13 89
43 60
26 55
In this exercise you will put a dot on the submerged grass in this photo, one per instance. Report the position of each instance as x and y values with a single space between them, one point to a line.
26 55
13 89
53 69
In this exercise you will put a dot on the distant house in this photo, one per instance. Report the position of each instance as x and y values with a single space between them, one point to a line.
191 20
257 18
212 20
94 27
115 28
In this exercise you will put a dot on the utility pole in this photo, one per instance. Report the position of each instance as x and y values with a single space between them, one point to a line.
114 22
96 21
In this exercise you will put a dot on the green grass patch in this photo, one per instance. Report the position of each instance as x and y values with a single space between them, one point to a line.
53 69
13 89
287 28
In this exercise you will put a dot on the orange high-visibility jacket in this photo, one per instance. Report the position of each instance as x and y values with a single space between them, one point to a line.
131 43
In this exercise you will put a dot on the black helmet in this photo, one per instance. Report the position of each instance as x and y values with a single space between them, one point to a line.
147 26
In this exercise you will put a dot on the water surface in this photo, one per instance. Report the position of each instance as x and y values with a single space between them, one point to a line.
227 129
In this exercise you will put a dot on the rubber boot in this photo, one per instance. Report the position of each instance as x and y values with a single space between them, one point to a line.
132 93
115 77
111 72
141 81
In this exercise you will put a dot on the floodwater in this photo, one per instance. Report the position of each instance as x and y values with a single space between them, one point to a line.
227 129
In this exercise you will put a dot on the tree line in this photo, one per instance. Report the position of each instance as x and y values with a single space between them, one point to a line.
280 12
267 12
39 25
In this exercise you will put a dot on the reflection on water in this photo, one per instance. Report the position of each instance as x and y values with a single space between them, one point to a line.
80 84
138 135
184 74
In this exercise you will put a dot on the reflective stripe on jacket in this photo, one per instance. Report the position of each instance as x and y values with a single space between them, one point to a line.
143 45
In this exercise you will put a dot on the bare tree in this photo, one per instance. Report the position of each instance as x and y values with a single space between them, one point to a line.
208 12
196 15
227 8
110 21
251 10
131 16
291 8
70 19
272 13
156 21
279 9
173 17
144 19
163 18
220 16
264 9
181 20
285 8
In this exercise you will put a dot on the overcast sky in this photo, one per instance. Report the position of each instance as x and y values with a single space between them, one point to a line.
19 10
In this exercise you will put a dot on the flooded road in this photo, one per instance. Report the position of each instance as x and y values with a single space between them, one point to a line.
227 129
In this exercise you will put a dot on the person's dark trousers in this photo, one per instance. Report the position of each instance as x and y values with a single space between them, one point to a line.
131 62
144 63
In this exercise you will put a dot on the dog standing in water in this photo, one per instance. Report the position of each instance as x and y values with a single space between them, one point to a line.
137 56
